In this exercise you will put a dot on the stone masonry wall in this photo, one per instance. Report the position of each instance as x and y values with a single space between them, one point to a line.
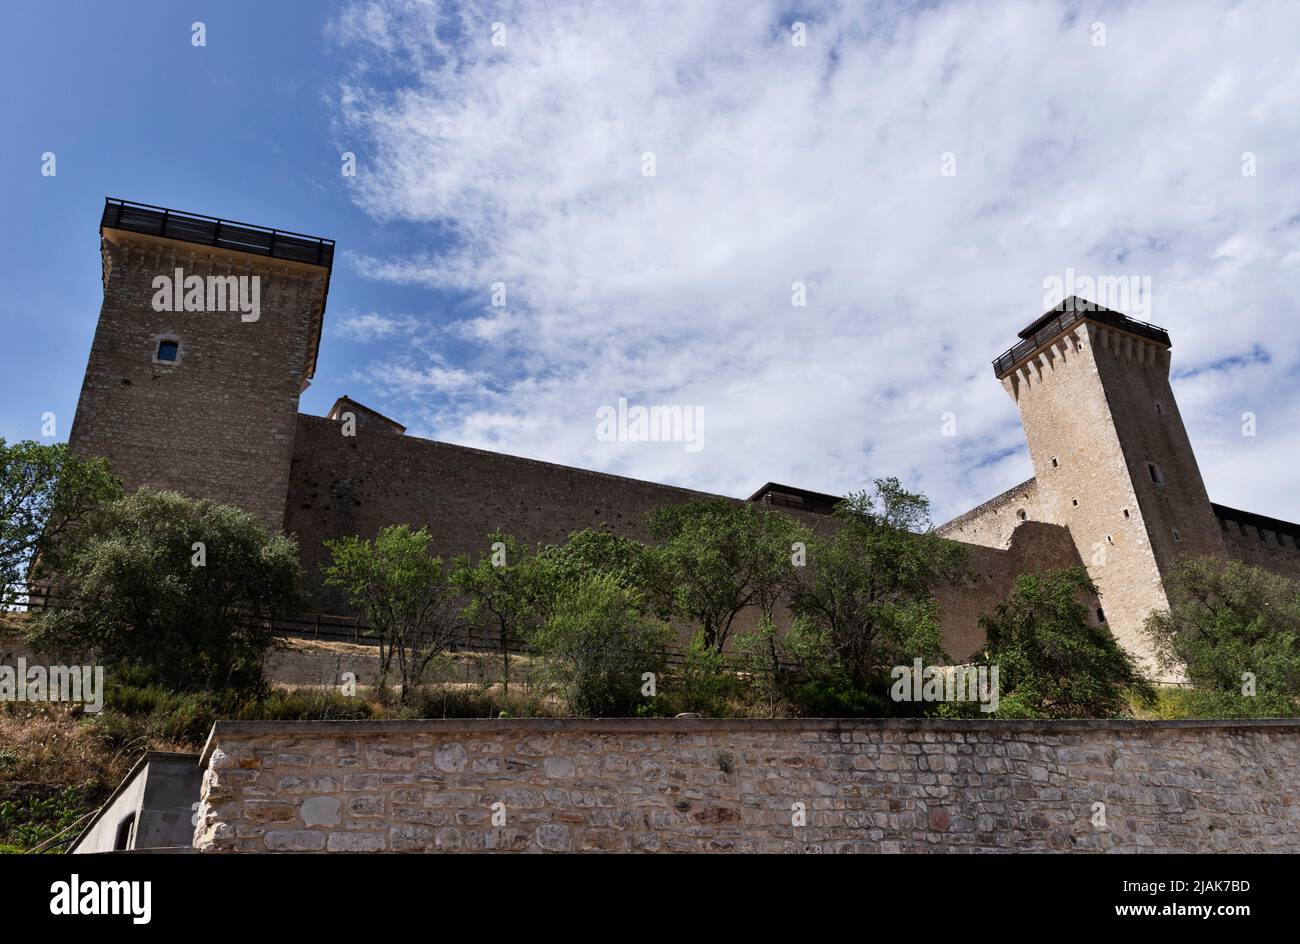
687 785
1245 543
341 485
993 523
219 421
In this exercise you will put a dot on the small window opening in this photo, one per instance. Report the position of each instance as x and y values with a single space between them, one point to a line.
1101 615
1156 475
1110 539
167 351
1022 515
1159 408
1125 512
1054 462
1074 502
1177 536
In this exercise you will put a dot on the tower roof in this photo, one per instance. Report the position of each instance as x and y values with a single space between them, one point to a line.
345 402
1055 320
298 248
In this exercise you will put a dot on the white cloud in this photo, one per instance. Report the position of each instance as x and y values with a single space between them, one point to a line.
373 326
777 164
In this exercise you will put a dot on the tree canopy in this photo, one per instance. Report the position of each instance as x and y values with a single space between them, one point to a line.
177 587
1235 630
44 491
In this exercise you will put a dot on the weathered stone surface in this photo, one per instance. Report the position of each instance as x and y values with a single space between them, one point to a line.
321 811
569 786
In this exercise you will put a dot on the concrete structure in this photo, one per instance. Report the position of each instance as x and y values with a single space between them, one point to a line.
206 403
154 808
810 785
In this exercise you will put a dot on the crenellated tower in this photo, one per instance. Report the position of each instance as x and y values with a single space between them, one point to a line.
1112 460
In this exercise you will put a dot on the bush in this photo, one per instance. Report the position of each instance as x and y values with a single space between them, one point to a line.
596 647
1235 629
701 683
1053 661
174 587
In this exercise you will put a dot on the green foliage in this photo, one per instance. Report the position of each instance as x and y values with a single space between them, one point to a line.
864 601
399 586
597 644
44 492
137 597
761 659
505 590
1053 661
1229 622
591 551
700 682
32 816
825 697
716 558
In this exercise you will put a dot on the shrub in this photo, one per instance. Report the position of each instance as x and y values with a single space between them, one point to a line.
1053 661
596 647
1235 629
179 588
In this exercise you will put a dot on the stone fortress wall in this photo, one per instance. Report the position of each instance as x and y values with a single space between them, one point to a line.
810 785
222 422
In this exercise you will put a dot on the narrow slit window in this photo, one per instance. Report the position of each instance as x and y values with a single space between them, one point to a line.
1156 475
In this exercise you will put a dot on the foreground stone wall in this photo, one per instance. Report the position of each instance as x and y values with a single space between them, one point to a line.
699 785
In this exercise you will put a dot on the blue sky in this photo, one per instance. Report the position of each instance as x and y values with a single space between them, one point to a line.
523 164
241 129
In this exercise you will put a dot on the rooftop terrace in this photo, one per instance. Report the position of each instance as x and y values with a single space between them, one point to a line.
1072 310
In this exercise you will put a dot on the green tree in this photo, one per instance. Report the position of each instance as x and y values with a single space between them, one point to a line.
598 551
399 586
504 592
44 492
1235 630
864 602
1053 661
762 659
596 646
716 558
183 589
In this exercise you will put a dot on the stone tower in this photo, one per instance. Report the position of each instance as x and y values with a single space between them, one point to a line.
207 335
1112 461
